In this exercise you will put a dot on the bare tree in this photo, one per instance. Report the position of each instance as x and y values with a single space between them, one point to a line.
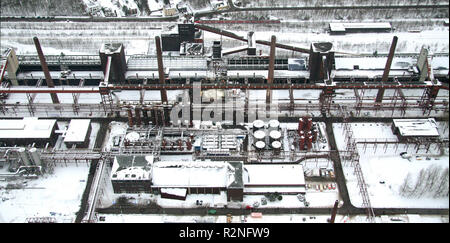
442 185
405 188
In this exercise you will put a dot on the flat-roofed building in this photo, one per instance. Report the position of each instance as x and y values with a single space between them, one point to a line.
27 131
78 133
342 28
176 179
415 128
279 178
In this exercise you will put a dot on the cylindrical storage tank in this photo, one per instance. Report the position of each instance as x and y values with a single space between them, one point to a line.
153 117
301 143
35 156
301 133
137 112
308 124
189 145
145 116
301 125
130 118
309 143
314 134
180 144
24 156
276 146
258 125
274 136
260 145
274 125
259 135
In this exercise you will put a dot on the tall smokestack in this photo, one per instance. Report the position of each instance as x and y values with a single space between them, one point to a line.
48 78
160 68
387 69
273 41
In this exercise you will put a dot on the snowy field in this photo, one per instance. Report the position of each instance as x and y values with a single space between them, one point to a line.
389 177
56 195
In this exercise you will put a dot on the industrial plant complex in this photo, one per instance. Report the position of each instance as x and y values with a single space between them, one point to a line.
214 116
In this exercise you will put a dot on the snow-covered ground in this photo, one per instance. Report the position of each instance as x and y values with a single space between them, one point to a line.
56 195
385 171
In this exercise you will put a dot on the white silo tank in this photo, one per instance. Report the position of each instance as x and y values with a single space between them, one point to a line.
258 124
24 156
260 145
35 156
259 135
274 125
274 135
276 146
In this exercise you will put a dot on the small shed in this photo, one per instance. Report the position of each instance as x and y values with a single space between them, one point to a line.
415 128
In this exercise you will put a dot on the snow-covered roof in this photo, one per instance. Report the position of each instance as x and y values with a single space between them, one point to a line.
370 63
274 175
178 174
417 127
132 168
174 64
181 192
345 26
29 127
234 49
77 131
110 48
